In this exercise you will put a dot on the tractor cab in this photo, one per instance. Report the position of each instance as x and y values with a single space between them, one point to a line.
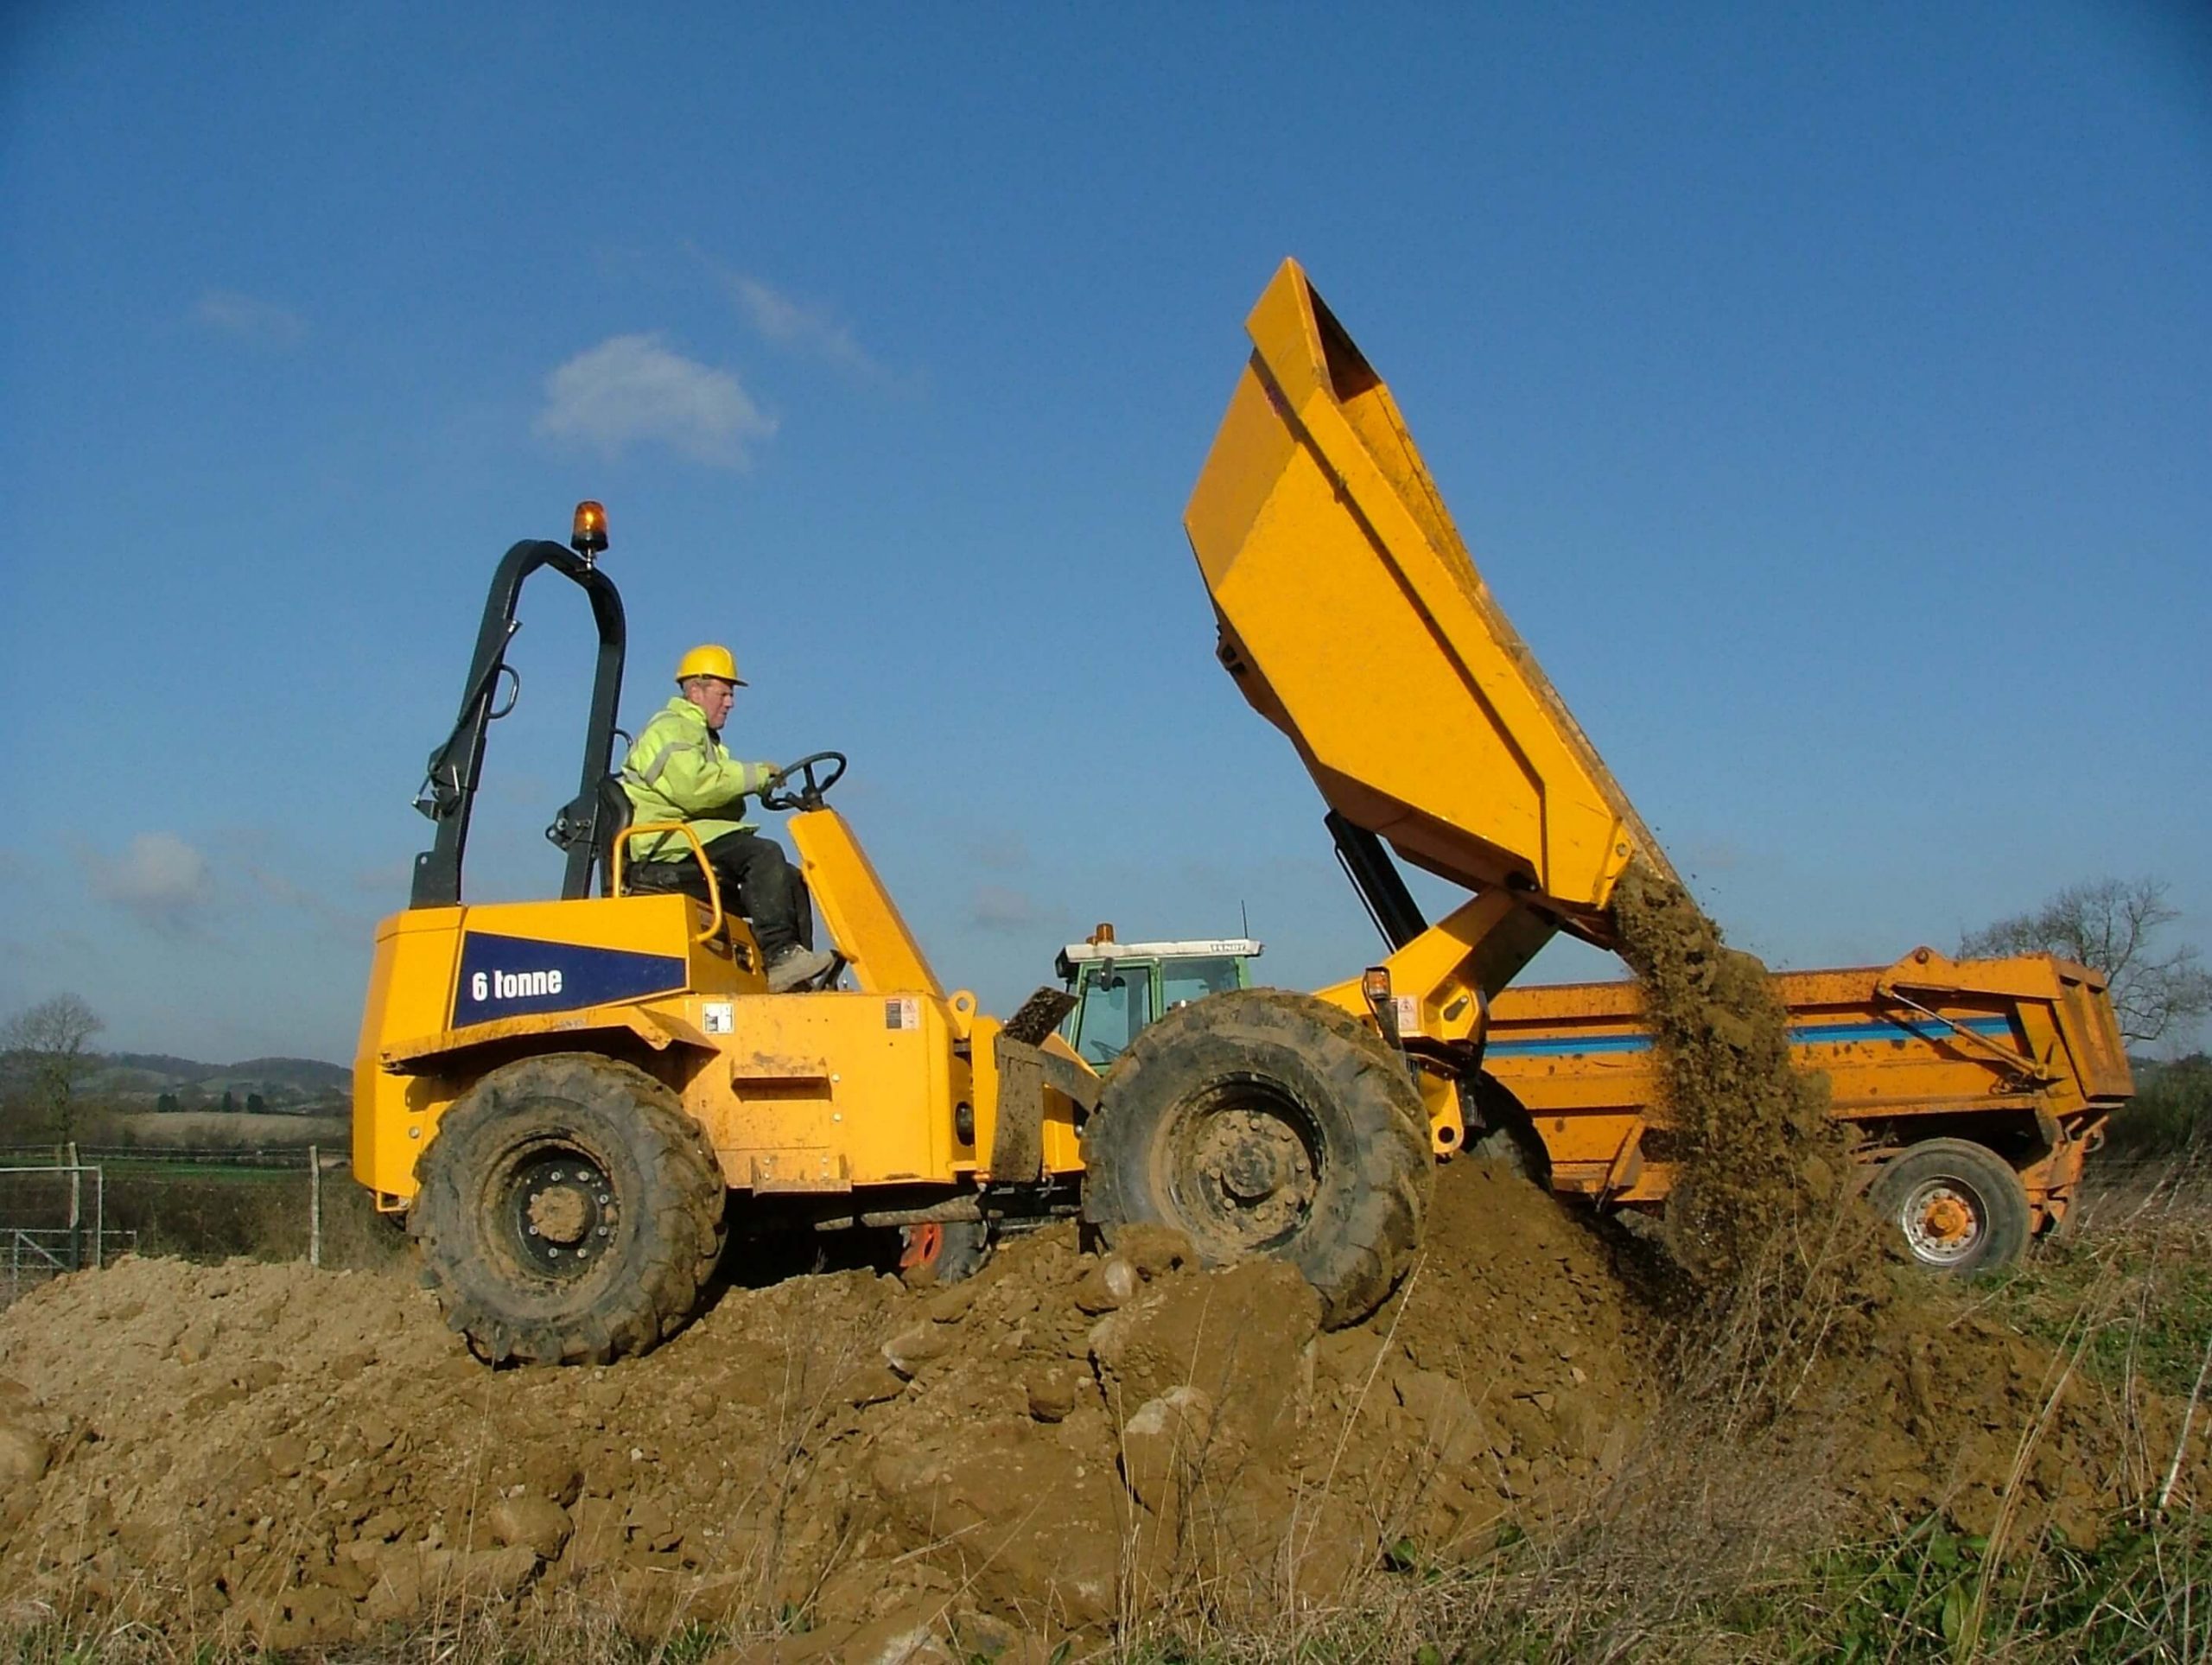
1119 987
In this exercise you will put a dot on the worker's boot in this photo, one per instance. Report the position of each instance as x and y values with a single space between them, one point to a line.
795 966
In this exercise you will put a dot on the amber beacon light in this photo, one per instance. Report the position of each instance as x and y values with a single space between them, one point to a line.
588 535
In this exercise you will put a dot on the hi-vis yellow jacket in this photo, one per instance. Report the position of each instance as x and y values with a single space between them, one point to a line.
679 769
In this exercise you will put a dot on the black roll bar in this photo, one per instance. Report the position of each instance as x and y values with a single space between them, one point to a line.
448 794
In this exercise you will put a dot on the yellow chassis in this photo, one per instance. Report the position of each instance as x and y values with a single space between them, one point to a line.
894 1084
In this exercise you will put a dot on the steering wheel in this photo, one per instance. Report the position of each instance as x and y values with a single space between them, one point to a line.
774 794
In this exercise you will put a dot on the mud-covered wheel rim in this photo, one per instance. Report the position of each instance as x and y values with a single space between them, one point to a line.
920 1245
552 1207
1943 1220
1243 1162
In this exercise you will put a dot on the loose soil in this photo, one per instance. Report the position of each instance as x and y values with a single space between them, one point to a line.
1065 1444
1071 1444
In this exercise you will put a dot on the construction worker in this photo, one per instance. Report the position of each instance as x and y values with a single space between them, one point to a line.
679 769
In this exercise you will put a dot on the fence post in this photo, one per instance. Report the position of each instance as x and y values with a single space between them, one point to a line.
99 1219
76 1210
314 1207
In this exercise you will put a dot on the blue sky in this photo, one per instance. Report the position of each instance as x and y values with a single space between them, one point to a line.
1827 393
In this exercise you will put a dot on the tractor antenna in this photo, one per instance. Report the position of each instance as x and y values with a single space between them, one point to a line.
1244 919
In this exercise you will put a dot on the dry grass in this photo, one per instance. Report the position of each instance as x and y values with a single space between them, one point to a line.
1716 1542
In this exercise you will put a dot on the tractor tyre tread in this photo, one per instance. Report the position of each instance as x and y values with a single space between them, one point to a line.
1364 1227
679 1193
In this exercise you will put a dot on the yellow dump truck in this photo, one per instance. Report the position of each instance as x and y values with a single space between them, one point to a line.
574 1098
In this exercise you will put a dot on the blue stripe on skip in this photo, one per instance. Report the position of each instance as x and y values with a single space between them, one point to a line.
1806 1034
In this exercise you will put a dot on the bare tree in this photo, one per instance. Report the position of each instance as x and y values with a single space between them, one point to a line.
2109 925
48 1046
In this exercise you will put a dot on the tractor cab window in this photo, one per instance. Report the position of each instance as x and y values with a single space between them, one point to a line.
1116 1004
1182 981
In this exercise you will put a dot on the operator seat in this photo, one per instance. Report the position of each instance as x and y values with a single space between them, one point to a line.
610 820
642 878
658 877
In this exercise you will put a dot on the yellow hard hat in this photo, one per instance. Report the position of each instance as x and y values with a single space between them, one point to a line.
710 660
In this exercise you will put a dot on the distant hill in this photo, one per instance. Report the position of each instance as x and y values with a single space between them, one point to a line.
306 1072
292 1085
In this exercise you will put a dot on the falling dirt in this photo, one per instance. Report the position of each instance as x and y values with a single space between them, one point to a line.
1063 1445
1759 1159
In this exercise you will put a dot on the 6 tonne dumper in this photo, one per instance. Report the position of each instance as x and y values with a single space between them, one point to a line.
571 1098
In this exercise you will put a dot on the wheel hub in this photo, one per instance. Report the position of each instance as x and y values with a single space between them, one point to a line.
559 1213
1255 1174
562 1211
1948 1220
1942 1222
1250 1156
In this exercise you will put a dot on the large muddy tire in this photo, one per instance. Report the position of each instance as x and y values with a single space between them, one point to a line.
569 1212
1261 1122
1956 1206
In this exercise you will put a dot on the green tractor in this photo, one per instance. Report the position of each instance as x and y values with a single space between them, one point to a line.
1119 987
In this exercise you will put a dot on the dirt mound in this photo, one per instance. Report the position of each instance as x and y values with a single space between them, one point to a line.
1065 1443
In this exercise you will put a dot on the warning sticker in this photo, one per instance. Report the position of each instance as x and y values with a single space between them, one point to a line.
903 1012
715 1017
1408 1013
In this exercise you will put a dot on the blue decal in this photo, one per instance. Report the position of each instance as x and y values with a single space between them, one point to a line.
1809 1034
510 977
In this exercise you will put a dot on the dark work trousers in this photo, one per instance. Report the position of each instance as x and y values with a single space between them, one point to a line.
769 891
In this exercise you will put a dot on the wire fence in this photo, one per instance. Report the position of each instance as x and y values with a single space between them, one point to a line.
58 1205
263 1156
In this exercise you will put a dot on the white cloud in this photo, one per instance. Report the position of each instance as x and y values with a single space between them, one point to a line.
345 924
247 318
1000 908
160 880
631 388
803 325
1001 852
